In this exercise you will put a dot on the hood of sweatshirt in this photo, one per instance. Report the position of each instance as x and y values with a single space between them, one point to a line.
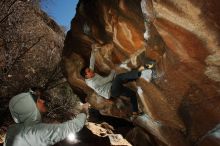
23 109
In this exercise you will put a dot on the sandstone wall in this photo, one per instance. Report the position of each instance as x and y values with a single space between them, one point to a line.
181 105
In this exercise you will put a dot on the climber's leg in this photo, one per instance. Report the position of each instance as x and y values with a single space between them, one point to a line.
120 90
126 77
120 79
133 98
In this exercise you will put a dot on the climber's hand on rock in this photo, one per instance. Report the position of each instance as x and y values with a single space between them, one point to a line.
113 71
85 108
94 48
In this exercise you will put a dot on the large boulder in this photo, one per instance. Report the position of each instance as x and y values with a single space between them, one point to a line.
30 51
30 44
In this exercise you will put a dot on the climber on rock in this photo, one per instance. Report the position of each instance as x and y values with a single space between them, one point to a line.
25 109
112 85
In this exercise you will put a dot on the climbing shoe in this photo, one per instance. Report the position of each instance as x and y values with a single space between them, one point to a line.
150 64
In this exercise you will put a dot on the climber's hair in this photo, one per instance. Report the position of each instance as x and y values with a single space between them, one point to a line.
83 71
35 91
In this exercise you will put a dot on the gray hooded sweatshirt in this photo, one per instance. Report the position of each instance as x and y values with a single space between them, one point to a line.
29 131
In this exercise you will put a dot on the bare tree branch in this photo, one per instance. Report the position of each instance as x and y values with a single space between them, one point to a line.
4 18
12 4
22 54
55 76
3 3
60 82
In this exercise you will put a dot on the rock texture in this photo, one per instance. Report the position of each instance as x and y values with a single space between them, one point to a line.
138 137
30 45
181 105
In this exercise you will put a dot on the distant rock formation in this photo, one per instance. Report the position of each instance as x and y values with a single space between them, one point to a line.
182 104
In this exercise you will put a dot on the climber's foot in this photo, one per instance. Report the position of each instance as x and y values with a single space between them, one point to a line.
135 115
150 64
141 68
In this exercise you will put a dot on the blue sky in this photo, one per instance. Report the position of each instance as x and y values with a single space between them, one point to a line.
62 11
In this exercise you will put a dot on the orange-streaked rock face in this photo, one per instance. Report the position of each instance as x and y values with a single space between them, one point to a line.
184 41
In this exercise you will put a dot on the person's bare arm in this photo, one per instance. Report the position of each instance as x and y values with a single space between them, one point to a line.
92 58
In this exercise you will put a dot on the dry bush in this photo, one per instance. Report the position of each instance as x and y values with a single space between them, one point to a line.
63 103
